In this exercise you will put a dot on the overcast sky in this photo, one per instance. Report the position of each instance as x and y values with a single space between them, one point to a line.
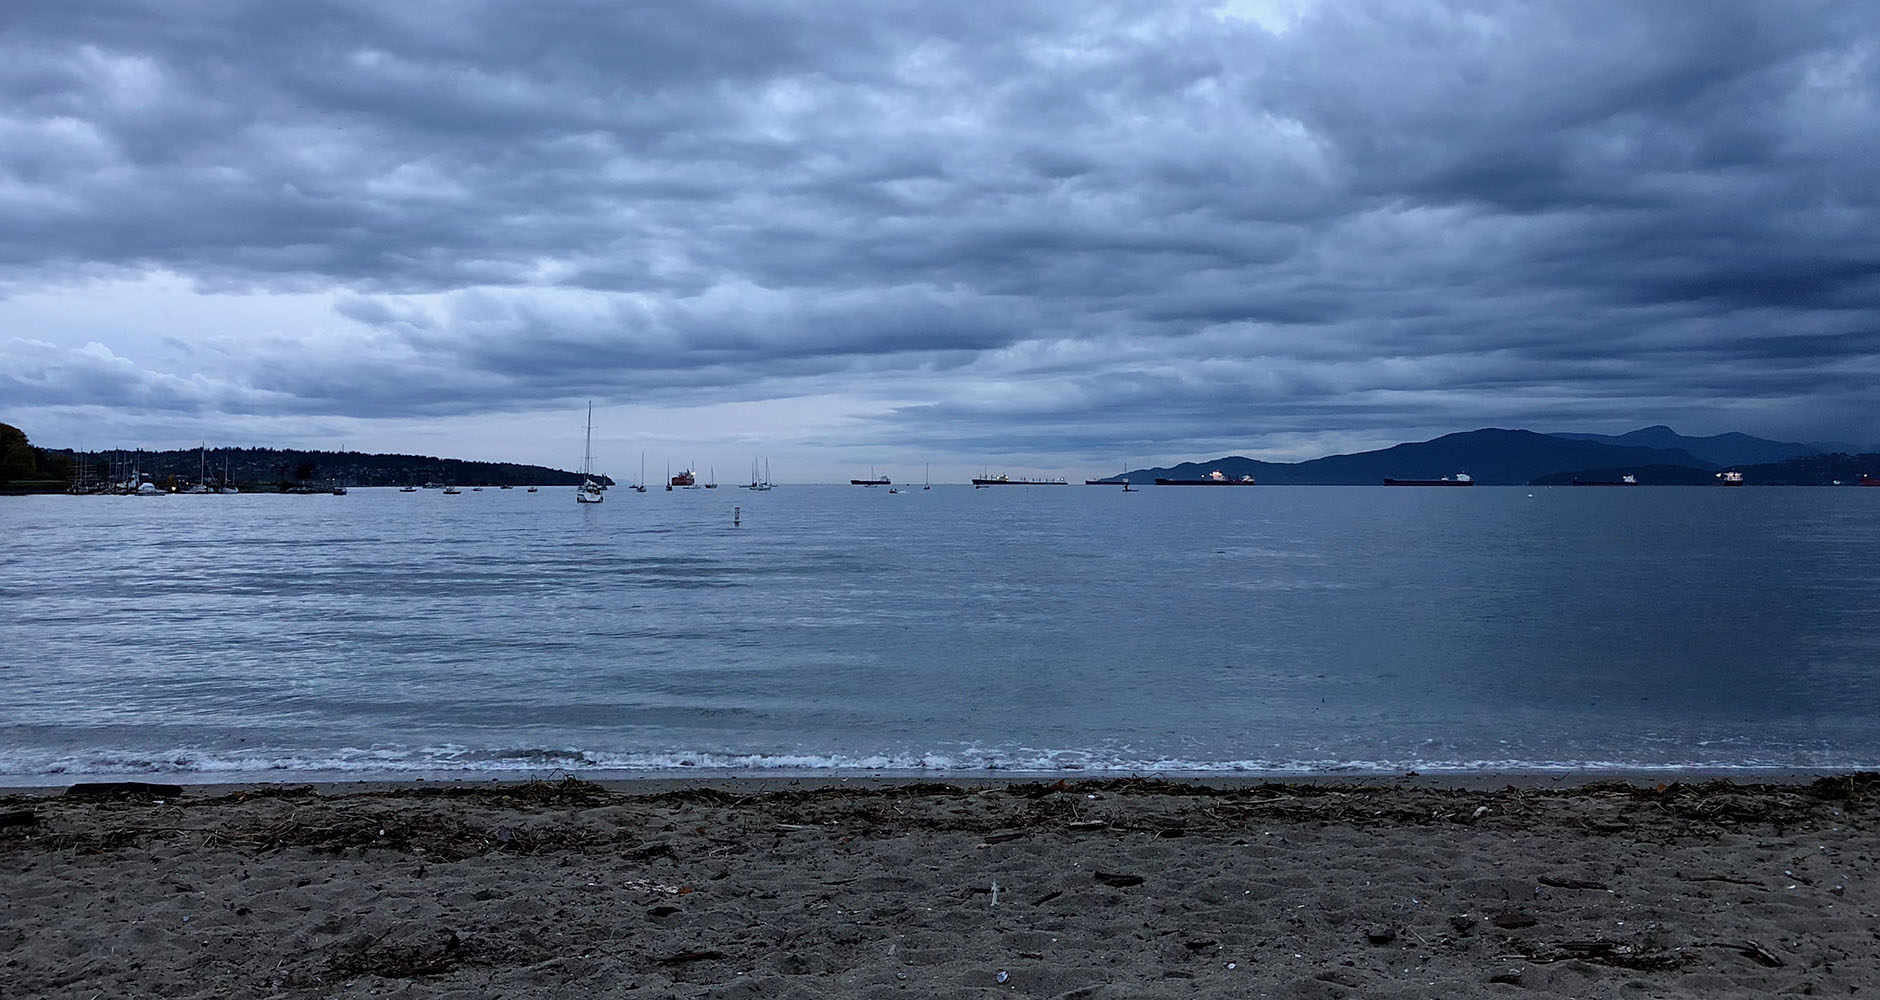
1050 237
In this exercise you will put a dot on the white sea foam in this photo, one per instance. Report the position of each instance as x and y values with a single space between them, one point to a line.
394 762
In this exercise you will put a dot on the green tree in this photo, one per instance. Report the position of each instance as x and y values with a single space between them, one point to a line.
16 455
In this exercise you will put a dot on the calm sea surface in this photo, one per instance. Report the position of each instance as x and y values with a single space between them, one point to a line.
842 629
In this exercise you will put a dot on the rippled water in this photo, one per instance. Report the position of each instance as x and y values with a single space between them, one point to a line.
838 628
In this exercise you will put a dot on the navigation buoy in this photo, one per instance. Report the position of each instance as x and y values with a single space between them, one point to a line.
737 514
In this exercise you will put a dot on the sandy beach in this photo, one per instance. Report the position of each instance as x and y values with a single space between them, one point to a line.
1133 888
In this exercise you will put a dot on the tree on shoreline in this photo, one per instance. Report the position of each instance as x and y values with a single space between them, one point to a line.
17 458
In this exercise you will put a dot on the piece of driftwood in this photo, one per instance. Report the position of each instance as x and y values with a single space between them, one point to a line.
691 956
1756 951
1723 878
1570 883
122 790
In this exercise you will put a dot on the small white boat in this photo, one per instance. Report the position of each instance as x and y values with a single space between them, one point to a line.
451 491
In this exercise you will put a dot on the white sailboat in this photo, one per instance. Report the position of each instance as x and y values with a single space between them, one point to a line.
228 485
590 491
202 471
640 487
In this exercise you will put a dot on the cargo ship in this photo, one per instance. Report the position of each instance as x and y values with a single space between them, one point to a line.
1459 479
1004 480
1626 480
1214 478
684 480
1867 480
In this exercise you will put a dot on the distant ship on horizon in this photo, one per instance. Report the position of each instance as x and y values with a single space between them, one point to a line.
1215 478
1459 479
1004 480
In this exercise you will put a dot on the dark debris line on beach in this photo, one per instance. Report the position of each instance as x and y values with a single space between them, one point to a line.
1682 809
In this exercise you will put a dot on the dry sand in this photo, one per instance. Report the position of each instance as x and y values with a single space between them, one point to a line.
1114 889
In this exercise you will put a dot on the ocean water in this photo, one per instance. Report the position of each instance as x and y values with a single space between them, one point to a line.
839 629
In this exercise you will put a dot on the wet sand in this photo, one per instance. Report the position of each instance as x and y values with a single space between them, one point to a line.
1132 888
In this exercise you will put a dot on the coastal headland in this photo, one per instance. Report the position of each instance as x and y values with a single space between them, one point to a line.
1133 887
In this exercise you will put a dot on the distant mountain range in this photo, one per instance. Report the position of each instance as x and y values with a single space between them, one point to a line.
1717 449
1495 456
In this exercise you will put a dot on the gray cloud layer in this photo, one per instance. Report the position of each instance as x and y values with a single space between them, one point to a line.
1050 226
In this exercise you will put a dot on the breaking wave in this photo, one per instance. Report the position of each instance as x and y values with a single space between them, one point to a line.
456 761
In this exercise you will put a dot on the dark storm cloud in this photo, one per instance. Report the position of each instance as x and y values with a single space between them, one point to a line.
1387 217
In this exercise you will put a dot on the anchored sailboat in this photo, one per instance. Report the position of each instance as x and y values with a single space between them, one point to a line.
202 472
590 491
